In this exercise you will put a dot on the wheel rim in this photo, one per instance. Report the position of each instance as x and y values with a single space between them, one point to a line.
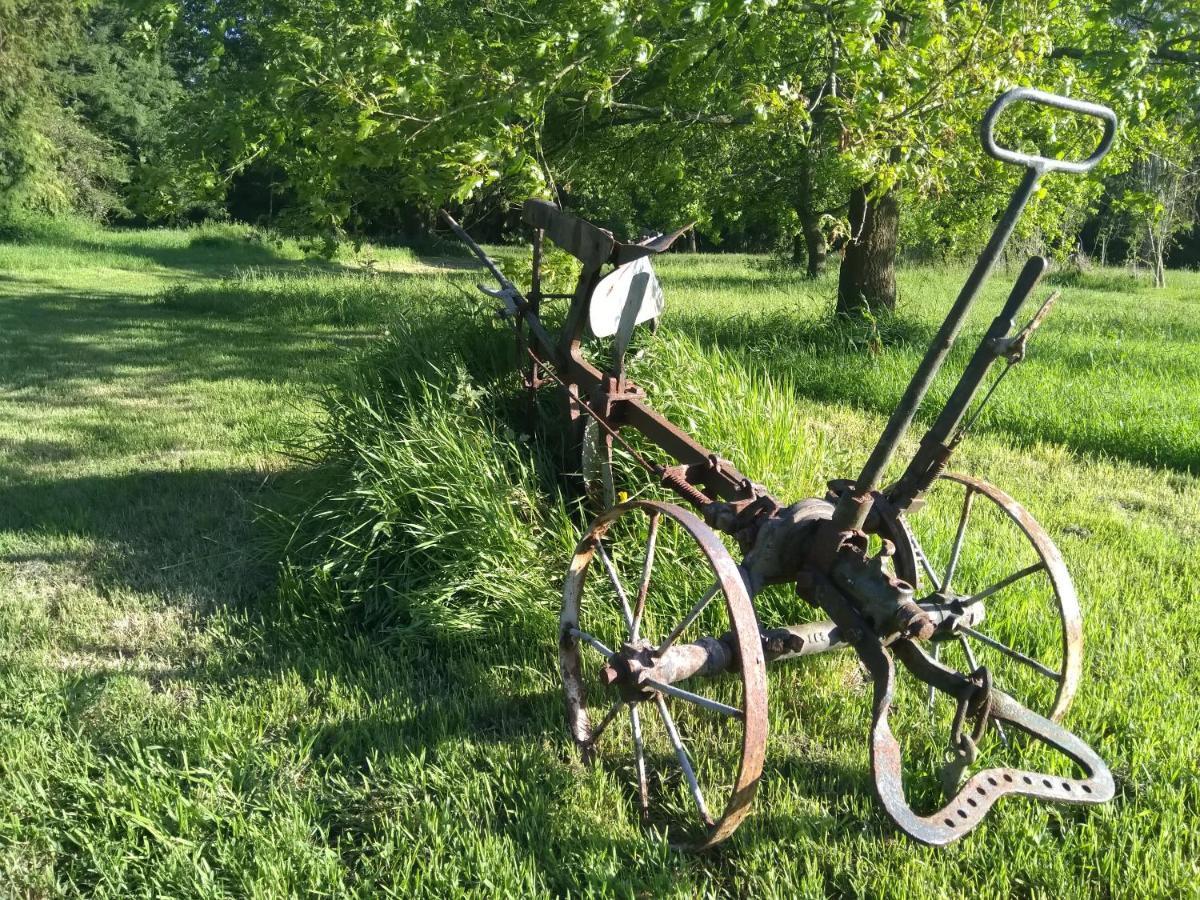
1000 558
693 768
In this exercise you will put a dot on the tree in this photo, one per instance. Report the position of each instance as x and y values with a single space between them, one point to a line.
34 34
1159 201
764 121
1144 56
83 101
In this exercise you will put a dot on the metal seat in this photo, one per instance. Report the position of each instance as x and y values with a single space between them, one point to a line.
590 244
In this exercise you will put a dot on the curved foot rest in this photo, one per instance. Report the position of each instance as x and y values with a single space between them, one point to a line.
983 789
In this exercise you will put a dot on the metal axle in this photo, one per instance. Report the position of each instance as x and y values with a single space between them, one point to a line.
708 657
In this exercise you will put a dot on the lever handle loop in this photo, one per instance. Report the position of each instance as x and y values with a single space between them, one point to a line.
1043 164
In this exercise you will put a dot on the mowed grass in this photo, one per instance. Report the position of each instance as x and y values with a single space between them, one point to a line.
281 554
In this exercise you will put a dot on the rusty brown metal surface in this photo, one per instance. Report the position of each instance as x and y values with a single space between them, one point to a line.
968 807
591 245
972 802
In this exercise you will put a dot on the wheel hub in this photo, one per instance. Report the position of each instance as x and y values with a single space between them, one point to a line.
628 669
953 613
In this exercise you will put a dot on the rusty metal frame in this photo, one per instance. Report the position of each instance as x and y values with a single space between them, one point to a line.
820 545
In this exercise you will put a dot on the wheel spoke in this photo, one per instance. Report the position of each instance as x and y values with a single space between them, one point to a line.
644 586
974 664
1004 582
684 763
639 759
931 694
616 583
691 617
923 559
589 639
604 723
715 705
971 661
968 500
1009 651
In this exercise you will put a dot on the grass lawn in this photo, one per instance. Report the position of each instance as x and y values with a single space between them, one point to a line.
207 691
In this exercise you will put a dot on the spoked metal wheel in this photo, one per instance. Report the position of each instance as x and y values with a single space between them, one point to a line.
648 577
974 545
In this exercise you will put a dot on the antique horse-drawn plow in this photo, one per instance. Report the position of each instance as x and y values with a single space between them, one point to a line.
631 640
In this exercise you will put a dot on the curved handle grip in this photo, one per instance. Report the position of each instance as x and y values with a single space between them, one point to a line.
1043 163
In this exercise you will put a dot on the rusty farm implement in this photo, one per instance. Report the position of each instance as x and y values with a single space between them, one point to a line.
661 620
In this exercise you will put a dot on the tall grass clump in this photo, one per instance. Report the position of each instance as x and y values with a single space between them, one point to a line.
29 227
439 519
434 521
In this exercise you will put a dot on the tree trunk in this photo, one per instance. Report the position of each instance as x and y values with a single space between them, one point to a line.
1158 250
814 239
809 247
810 238
691 240
867 280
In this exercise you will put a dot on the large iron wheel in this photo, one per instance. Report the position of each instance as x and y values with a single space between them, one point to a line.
645 577
972 544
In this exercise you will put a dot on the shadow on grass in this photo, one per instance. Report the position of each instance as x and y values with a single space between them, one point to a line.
192 536
219 247
430 719
70 336
184 535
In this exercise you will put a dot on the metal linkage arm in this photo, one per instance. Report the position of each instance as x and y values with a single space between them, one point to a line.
514 301
968 807
933 453
487 261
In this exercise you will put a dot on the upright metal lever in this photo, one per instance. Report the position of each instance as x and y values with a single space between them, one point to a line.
854 505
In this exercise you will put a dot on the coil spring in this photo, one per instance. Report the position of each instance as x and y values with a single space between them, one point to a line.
674 480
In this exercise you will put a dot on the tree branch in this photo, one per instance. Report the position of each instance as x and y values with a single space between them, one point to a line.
1164 53
632 113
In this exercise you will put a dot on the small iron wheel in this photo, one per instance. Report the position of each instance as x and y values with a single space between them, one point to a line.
972 544
646 577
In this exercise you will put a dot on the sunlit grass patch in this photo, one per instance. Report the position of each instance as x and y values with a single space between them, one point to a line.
281 552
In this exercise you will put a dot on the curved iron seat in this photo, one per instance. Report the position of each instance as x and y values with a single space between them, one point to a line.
590 244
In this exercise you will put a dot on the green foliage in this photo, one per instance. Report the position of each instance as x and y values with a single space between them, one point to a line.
35 33
754 120
745 118
83 105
